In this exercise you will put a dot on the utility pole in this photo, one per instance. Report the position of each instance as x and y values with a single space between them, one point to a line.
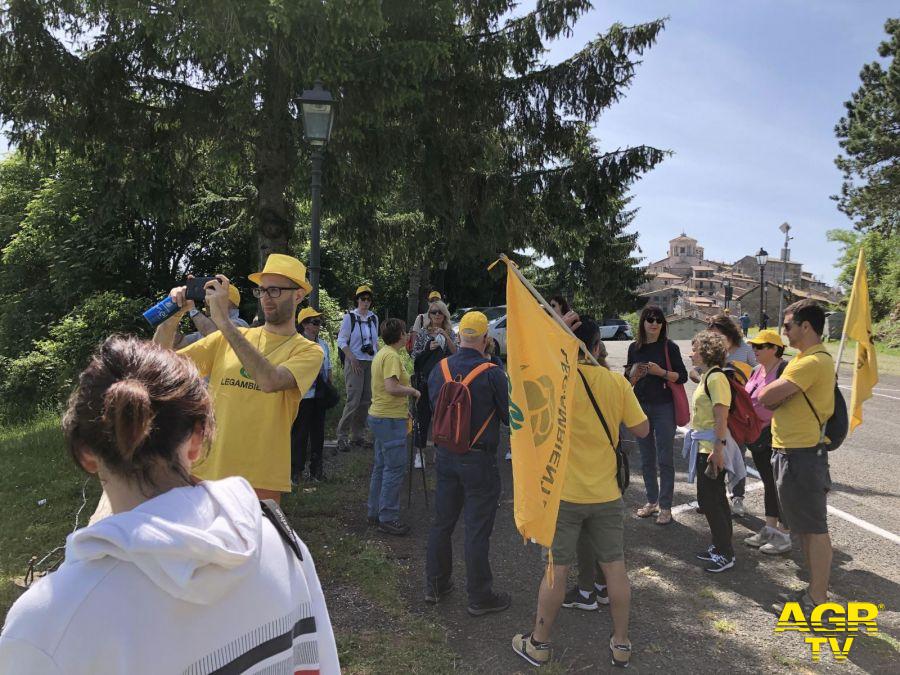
785 256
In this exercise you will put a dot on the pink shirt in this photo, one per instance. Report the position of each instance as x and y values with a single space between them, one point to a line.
759 379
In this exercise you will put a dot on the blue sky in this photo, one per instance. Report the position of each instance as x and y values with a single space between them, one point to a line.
746 93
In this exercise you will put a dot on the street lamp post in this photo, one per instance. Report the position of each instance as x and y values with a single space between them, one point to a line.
785 256
761 259
317 108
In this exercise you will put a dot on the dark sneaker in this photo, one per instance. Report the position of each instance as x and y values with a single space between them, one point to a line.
537 654
708 554
295 481
720 563
343 445
497 603
602 594
433 594
371 521
394 527
575 600
802 597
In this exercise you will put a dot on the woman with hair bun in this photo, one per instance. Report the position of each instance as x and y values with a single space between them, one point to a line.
184 576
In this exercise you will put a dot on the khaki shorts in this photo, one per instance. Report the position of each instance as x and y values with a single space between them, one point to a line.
602 524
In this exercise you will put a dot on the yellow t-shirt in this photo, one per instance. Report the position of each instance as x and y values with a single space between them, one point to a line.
591 471
793 423
388 363
702 405
253 428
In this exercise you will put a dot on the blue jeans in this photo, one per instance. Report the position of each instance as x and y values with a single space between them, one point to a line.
469 484
656 448
389 469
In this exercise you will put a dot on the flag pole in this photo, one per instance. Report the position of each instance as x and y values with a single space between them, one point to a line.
540 298
847 314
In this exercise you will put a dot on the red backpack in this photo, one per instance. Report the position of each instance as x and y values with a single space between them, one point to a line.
743 422
453 411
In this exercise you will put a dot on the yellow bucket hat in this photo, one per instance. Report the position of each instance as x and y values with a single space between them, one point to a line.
307 313
473 324
767 336
286 266
234 295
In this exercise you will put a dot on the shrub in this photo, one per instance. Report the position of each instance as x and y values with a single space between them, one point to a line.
43 377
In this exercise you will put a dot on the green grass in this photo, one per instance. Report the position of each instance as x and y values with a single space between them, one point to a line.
37 467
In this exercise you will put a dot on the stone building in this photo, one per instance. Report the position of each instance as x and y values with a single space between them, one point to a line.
772 271
749 301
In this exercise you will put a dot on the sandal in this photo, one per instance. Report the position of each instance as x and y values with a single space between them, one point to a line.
647 510
664 517
621 651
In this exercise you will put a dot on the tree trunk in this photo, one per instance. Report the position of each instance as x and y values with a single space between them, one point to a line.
275 159
412 295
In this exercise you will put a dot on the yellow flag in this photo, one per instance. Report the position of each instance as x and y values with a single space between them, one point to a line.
858 325
541 363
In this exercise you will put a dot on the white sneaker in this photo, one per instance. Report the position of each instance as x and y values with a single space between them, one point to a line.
508 456
778 543
737 507
761 538
417 461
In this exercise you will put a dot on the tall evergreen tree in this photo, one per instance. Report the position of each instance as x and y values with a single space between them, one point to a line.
869 135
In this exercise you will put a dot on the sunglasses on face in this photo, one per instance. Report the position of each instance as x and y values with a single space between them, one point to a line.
763 346
366 298
655 319
272 291
314 322
435 312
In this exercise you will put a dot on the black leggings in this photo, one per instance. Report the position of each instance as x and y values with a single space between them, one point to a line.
762 458
308 437
712 499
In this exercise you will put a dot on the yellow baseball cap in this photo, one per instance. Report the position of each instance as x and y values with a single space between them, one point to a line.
767 336
307 313
286 266
363 289
473 324
234 296
434 295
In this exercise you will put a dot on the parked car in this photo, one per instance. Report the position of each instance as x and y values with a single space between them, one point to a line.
492 314
615 329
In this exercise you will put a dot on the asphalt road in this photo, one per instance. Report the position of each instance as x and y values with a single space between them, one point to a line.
684 620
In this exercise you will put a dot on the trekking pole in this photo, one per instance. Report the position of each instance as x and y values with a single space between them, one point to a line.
422 462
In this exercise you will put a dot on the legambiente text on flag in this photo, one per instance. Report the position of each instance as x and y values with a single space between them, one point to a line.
541 363
858 325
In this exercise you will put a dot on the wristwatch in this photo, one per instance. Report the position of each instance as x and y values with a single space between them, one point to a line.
723 441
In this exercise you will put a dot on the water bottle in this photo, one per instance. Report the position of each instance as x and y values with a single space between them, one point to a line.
161 311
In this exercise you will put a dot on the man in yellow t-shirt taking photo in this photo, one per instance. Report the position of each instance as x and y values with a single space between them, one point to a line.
591 505
802 400
257 376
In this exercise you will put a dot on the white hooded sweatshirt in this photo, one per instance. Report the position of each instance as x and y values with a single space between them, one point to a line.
193 581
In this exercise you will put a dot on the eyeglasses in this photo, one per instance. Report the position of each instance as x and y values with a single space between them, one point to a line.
365 298
435 311
765 345
272 291
787 325
655 319
314 322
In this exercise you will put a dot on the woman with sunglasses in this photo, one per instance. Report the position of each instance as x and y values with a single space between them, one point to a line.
769 349
654 362
433 342
308 430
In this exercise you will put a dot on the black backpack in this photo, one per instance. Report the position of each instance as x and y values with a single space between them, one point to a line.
353 321
836 428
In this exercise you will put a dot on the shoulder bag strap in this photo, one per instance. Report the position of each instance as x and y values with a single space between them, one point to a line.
668 364
476 371
445 370
273 513
714 369
597 409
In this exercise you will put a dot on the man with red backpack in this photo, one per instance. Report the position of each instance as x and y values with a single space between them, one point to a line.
467 386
